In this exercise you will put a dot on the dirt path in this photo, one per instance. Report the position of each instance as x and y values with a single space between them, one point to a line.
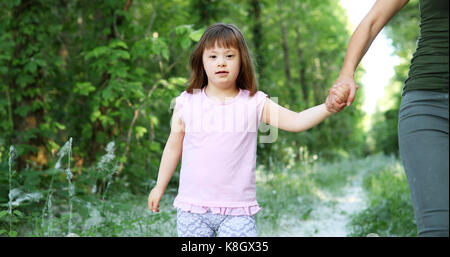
331 216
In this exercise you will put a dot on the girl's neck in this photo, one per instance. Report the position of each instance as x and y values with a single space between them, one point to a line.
221 93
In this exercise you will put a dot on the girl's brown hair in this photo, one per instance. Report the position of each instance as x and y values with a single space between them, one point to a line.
227 36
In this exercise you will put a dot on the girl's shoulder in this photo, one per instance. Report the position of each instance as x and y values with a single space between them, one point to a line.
185 95
258 97
258 94
181 98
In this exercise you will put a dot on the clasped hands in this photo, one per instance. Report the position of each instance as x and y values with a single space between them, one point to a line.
341 94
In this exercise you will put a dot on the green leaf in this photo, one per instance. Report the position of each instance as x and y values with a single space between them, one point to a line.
18 213
3 213
178 81
118 43
60 126
185 42
86 130
12 233
109 94
3 70
2 231
95 114
196 35
122 54
40 62
84 88
165 53
156 47
180 30
140 131
53 145
140 71
30 67
15 3
154 120
37 105
22 110
155 146
24 80
98 51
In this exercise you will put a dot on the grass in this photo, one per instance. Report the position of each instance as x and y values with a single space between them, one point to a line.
104 211
288 195
390 212
125 215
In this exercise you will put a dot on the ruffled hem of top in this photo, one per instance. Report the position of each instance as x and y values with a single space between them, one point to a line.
236 211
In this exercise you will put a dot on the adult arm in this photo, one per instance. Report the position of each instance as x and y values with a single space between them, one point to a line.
380 13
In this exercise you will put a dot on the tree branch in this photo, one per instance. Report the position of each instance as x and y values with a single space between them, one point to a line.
133 121
152 20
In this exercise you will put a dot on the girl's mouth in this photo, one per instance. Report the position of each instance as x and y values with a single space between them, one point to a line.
222 73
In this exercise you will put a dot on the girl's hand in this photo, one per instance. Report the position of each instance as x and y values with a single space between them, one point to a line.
154 197
341 94
336 98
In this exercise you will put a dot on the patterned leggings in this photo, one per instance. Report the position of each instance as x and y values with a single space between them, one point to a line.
209 225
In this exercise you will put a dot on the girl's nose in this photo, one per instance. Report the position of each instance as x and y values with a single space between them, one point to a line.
222 62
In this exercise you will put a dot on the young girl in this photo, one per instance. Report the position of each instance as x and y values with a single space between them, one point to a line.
214 128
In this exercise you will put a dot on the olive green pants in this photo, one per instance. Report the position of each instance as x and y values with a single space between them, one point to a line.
424 144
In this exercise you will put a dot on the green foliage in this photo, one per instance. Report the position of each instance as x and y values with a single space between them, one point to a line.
403 29
385 131
288 194
108 72
390 212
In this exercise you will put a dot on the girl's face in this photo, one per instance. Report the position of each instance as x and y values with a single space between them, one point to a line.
222 66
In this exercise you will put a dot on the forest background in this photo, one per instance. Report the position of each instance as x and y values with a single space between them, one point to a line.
86 96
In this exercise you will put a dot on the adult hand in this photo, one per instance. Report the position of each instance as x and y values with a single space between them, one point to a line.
336 99
347 83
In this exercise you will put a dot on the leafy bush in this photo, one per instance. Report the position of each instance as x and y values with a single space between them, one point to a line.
390 212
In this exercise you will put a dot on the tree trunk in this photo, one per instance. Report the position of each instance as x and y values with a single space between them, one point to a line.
258 36
302 68
319 92
287 65
284 44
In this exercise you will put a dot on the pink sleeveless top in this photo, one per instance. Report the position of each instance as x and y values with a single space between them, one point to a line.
219 153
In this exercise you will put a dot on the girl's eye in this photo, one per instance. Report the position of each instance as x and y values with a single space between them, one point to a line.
212 56
230 56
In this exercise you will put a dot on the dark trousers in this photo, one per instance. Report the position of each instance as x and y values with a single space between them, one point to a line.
424 149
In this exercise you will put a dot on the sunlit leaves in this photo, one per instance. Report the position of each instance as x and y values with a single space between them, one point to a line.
159 47
196 35
84 88
188 35
140 131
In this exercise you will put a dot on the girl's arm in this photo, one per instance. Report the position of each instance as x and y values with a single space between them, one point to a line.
361 39
169 161
285 119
